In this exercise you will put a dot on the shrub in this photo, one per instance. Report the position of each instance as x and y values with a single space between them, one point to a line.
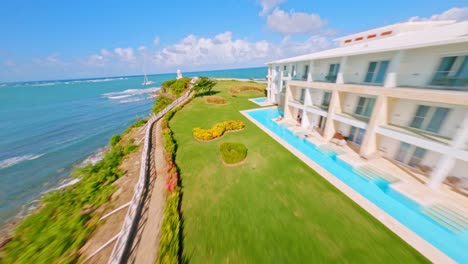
217 130
161 103
170 240
233 152
214 99
166 86
114 140
246 88
179 86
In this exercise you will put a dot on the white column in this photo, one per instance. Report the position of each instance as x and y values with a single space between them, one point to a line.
446 163
310 77
392 73
340 77
378 118
269 78
308 97
334 107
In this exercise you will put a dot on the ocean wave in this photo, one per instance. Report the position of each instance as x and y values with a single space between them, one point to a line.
132 100
15 160
64 184
119 96
131 92
96 80
44 84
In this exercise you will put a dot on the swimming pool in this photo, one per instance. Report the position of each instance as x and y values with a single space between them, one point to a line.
377 191
259 100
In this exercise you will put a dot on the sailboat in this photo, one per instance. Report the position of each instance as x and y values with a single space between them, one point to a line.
146 81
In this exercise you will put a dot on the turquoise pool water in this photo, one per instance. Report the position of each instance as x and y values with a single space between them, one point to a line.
259 100
377 191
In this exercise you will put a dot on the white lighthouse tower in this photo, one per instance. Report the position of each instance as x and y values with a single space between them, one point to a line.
179 74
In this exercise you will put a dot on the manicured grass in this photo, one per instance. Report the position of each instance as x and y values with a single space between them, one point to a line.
271 209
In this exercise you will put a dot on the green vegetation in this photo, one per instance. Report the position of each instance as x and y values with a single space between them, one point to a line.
160 103
175 87
138 123
204 86
114 140
214 99
170 239
217 130
55 233
272 208
233 152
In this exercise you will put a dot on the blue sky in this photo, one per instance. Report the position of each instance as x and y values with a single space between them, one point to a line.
77 39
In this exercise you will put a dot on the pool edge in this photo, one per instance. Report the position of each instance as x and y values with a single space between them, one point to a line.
432 253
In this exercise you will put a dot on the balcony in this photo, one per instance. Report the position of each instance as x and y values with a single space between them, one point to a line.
324 78
433 143
299 77
352 120
285 74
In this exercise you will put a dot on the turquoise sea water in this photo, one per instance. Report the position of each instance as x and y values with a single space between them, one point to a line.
49 127
403 209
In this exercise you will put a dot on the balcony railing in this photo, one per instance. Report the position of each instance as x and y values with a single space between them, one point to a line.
324 78
299 77
285 73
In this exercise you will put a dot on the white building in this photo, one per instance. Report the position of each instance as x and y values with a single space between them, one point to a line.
399 91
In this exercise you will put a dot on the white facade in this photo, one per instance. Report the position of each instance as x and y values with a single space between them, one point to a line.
400 91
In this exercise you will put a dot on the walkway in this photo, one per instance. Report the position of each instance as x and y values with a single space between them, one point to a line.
146 243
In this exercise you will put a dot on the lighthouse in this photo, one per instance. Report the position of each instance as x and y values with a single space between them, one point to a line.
179 74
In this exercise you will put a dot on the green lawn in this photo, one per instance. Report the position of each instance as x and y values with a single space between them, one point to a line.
271 209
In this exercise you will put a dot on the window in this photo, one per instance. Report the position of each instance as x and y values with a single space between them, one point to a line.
364 106
452 72
409 154
356 135
429 118
376 72
306 72
333 72
283 87
326 100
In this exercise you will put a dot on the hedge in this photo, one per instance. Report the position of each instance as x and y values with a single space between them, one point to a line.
214 99
246 88
170 239
217 130
233 152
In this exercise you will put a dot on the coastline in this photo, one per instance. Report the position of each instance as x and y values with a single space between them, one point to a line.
7 229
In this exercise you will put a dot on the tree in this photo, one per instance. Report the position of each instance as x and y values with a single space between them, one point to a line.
204 85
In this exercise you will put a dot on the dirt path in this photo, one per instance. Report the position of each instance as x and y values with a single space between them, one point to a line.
111 226
146 243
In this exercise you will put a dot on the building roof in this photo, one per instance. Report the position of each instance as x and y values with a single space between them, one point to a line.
444 33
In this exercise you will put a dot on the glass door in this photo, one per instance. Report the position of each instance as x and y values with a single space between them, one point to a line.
376 72
306 72
333 72
402 152
419 116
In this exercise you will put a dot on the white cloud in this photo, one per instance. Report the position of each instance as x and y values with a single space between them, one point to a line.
456 13
291 23
156 41
268 5
223 49
125 54
106 53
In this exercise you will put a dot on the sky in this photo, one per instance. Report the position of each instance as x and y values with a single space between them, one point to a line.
46 40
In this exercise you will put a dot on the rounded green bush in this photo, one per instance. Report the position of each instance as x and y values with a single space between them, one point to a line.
233 152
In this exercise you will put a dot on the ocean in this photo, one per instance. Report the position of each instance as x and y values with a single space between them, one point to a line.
47 128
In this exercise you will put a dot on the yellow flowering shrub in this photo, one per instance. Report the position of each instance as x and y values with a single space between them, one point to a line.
217 130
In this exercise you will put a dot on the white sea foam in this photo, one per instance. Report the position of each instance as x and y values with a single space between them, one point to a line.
131 100
64 184
15 160
44 84
119 96
130 95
